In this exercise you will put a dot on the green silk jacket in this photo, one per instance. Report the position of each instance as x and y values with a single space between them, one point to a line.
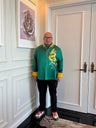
47 62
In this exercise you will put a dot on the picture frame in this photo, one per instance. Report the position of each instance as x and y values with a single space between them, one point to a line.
1 24
26 24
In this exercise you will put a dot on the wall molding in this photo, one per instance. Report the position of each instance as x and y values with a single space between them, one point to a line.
24 109
67 103
3 88
18 122
15 67
1 24
17 110
25 59
5 38
32 100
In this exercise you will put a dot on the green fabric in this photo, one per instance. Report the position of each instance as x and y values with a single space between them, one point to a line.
48 62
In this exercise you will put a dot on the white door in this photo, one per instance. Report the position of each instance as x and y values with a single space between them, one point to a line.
71 30
92 73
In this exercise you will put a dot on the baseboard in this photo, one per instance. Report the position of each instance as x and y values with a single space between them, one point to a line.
30 119
85 118
22 119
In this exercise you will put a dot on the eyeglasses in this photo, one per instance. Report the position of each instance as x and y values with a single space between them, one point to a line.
47 37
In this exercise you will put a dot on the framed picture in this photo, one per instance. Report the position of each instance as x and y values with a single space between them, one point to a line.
26 21
1 24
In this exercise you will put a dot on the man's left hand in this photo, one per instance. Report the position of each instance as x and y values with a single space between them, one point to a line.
58 79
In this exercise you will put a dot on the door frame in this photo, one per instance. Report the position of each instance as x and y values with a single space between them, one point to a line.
62 4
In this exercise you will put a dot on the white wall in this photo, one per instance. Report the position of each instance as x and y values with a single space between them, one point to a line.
17 87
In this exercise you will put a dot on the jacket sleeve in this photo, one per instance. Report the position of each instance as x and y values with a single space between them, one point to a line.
35 70
60 64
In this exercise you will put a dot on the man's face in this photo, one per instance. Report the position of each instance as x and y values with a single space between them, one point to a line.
48 38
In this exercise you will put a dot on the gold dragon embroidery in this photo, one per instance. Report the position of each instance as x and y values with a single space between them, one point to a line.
52 57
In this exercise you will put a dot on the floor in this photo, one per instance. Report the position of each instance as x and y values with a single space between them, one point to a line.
83 118
48 122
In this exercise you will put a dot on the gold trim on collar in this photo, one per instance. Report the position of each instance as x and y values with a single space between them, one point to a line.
43 45
51 45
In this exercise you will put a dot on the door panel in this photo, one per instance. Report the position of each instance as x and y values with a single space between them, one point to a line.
92 76
71 30
71 24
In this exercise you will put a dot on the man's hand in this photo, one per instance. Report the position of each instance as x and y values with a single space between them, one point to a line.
35 78
58 79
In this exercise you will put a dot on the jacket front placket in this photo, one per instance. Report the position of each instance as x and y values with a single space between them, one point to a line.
47 63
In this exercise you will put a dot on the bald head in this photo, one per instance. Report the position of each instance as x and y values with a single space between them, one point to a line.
48 34
48 38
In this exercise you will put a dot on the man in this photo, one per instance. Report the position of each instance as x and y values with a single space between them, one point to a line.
47 71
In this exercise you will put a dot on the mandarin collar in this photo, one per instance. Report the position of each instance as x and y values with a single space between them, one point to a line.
49 46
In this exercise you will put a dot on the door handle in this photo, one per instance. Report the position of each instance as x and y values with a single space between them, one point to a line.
84 68
92 67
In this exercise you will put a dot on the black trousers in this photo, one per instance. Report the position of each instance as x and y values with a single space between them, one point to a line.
42 87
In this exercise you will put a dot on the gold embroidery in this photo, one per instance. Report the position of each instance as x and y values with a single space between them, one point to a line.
52 57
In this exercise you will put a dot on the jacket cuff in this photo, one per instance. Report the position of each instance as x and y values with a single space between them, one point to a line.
34 73
59 74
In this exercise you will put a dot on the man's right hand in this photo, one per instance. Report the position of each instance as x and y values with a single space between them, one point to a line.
35 78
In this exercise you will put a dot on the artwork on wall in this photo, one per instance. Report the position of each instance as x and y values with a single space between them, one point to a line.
1 24
26 24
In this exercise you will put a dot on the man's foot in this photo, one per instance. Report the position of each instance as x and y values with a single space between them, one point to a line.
39 114
55 116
